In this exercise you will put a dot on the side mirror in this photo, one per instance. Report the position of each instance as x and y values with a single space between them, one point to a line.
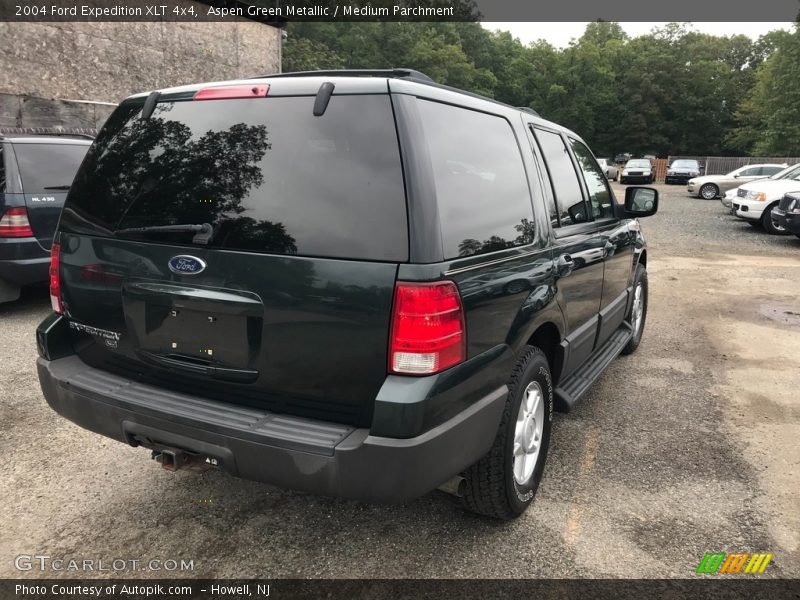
577 212
641 201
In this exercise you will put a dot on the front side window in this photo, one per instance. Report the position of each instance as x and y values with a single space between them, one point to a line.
481 185
599 192
751 172
570 205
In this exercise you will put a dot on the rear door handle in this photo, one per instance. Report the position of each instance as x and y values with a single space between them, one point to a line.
564 265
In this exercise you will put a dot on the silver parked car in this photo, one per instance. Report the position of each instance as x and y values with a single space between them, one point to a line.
609 168
711 186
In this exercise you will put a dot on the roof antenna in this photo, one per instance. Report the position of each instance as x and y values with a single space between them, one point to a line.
323 97
150 104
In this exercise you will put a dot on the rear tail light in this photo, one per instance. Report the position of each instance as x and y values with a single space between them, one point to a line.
55 279
230 92
14 223
428 333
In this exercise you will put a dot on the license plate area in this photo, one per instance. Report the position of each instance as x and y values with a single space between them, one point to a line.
195 325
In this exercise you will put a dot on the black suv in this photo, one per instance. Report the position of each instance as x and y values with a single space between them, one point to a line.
353 283
35 174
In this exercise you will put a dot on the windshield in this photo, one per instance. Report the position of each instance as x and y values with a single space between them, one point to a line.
638 164
788 173
685 164
265 174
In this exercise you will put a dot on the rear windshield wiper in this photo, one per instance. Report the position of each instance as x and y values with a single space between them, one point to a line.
57 187
203 232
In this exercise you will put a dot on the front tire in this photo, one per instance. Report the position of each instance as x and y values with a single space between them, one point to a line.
771 226
637 314
708 191
503 483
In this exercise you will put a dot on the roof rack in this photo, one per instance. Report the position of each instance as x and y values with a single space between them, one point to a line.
393 73
15 132
528 109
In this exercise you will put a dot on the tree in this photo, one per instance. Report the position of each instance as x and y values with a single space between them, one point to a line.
770 116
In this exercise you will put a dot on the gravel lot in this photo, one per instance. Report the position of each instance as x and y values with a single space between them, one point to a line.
686 446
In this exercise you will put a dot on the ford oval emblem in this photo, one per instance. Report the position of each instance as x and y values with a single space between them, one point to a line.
183 264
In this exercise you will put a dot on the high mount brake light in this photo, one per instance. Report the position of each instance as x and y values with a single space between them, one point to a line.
14 223
229 92
428 333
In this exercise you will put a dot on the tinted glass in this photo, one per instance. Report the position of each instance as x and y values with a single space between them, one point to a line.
265 173
44 166
481 186
2 170
770 170
599 193
570 205
751 172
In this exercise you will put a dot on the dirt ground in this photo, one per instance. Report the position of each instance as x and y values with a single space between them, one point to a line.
688 445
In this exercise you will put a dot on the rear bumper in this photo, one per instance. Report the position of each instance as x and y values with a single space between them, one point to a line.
292 452
23 261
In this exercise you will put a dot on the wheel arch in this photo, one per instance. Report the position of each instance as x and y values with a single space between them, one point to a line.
547 337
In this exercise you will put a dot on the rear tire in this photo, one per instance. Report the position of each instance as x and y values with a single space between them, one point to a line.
503 483
769 225
637 314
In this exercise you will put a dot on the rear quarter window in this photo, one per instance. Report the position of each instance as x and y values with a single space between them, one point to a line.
48 167
481 184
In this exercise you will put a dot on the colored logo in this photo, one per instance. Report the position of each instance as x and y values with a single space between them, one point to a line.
183 264
720 563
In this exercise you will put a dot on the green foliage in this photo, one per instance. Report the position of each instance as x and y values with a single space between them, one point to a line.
770 113
673 91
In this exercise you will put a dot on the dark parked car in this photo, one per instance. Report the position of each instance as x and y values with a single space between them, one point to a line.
682 170
638 170
292 272
787 213
35 175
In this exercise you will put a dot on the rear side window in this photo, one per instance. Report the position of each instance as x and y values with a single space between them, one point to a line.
770 170
481 185
265 174
570 205
48 167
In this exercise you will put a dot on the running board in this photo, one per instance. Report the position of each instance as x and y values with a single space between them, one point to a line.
573 387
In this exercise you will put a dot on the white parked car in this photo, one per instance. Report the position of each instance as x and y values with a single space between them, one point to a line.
755 200
711 186
609 168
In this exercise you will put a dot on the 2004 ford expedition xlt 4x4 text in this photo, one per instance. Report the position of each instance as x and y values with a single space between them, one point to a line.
357 283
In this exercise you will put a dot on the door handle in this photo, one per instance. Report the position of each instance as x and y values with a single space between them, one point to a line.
564 265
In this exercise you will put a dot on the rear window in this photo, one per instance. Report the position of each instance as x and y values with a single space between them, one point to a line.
265 174
48 167
481 185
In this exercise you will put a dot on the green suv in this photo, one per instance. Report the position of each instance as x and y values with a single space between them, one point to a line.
355 283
